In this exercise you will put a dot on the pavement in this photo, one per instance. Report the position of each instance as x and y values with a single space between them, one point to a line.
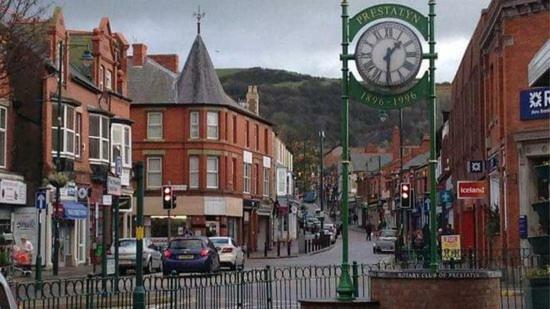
273 254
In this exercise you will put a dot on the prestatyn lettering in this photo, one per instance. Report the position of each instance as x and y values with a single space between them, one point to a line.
388 11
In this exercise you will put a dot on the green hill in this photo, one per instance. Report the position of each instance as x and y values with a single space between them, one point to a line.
301 105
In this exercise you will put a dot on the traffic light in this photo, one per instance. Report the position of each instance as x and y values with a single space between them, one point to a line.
405 194
167 197
174 196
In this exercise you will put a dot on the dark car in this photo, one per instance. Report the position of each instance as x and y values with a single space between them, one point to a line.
190 254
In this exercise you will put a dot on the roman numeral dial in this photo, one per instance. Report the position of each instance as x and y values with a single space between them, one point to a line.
388 54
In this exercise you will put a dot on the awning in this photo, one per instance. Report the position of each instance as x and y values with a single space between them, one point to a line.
75 211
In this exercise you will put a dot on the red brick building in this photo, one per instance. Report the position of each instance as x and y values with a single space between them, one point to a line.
485 124
95 129
217 152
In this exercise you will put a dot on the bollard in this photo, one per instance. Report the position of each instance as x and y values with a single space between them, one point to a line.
278 248
265 249
288 245
355 277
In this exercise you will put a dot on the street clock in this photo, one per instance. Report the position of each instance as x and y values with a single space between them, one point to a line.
388 55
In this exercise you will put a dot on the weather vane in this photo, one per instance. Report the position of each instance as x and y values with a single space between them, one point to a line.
199 15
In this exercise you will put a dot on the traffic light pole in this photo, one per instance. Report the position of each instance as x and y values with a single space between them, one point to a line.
139 291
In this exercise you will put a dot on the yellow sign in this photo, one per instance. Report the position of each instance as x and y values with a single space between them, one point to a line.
139 233
450 248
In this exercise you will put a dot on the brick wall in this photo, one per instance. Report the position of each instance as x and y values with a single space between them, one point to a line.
430 293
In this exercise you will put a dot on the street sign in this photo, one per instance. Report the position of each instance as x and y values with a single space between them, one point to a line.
40 201
471 189
475 166
118 166
113 185
107 200
293 209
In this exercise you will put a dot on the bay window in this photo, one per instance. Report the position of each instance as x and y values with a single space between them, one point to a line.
67 143
121 144
212 125
212 173
99 138
78 135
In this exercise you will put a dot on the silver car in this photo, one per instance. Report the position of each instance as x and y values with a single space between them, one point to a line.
152 257
385 242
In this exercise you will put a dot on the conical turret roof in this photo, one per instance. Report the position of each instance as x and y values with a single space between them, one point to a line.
198 82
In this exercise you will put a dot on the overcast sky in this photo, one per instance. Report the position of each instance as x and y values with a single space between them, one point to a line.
296 35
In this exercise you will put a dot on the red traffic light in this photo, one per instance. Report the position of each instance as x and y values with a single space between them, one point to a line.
167 190
405 187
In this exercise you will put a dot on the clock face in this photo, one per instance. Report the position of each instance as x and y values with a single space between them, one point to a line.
388 54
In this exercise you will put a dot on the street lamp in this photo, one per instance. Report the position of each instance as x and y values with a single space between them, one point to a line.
87 59
321 175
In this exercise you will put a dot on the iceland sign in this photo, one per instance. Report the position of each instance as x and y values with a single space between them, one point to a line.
535 103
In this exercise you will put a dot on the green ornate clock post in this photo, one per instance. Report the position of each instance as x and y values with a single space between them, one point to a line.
388 57
345 286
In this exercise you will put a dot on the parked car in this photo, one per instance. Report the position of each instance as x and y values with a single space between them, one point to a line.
231 254
152 257
312 224
7 300
332 228
310 197
385 242
190 254
328 231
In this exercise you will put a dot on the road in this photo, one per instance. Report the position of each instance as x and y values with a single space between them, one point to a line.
360 251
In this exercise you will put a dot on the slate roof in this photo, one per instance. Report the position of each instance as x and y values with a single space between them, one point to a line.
419 160
360 160
198 82
151 83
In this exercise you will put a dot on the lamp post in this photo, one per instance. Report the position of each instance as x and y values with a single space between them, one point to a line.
139 291
321 175
87 57
345 287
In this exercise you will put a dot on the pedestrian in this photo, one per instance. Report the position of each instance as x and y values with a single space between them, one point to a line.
368 230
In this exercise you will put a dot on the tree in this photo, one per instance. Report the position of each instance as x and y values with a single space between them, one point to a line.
23 45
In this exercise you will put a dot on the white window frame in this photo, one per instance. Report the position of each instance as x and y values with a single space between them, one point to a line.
101 77
4 133
78 135
103 139
194 172
194 125
65 131
150 125
125 144
212 124
212 172
266 181
149 172
108 79
247 173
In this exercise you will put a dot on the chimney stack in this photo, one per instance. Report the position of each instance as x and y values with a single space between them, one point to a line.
253 99
140 54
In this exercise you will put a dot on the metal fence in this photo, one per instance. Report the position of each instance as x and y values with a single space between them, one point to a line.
269 287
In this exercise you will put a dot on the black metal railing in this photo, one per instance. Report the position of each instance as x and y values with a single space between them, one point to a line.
269 287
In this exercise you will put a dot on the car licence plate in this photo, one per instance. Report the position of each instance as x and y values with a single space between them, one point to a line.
185 257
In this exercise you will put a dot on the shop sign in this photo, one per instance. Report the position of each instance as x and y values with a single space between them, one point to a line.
13 192
107 200
450 248
475 166
471 190
247 157
267 162
535 103
113 185
523 227
68 192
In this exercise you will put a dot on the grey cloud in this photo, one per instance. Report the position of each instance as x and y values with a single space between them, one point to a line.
302 36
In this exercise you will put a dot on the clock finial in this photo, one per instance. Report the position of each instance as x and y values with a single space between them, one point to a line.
199 15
